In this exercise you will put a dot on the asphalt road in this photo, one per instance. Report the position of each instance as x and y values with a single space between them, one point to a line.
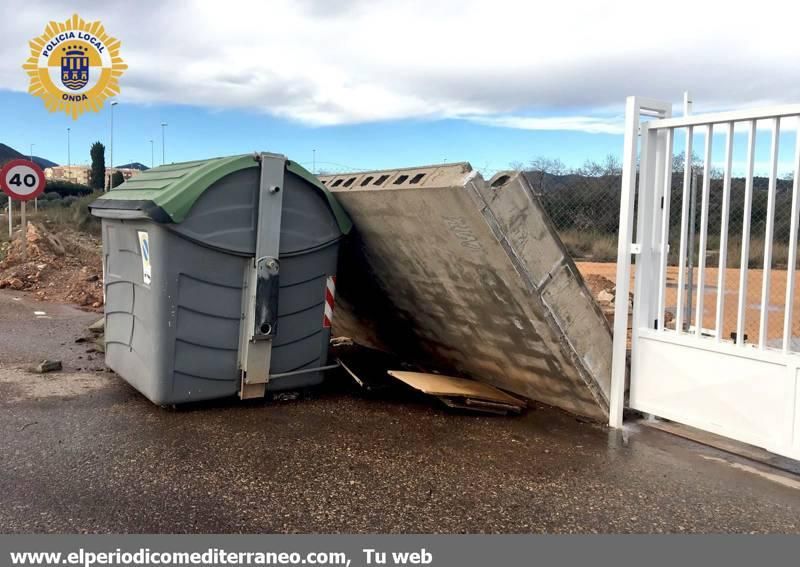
81 451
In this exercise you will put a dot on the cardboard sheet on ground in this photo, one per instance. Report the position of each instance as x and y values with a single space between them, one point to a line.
470 391
468 277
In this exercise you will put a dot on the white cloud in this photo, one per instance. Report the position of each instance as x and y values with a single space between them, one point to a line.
590 124
562 65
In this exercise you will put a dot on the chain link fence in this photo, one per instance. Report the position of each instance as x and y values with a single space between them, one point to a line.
583 204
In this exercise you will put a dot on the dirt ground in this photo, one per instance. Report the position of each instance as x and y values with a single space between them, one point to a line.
61 265
599 276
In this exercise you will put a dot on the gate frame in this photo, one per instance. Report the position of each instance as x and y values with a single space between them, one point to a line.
651 245
635 107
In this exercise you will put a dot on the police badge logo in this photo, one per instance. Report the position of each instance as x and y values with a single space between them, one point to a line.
74 66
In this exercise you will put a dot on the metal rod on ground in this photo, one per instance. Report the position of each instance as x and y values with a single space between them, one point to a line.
24 224
690 260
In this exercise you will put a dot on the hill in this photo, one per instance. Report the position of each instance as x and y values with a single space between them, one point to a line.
7 153
44 163
133 165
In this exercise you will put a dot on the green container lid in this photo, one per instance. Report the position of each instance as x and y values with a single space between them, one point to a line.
166 193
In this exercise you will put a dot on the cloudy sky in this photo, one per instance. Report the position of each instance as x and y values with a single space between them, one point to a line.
380 83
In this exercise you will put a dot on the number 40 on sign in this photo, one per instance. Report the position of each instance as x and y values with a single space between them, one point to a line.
21 180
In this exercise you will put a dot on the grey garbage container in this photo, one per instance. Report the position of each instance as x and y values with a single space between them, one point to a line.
219 277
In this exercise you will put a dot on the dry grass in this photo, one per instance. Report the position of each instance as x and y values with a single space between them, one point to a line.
780 254
75 216
598 247
4 239
590 245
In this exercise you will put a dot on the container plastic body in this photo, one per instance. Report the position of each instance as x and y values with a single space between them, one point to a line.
173 315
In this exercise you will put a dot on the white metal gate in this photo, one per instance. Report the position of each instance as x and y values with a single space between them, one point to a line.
713 323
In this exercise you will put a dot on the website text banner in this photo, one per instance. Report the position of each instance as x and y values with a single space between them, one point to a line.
386 550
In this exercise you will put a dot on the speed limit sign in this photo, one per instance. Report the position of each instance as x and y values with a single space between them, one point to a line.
22 180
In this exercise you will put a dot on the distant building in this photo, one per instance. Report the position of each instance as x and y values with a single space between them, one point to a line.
127 173
74 173
82 173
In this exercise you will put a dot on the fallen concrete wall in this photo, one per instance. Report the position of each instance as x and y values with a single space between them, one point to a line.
469 276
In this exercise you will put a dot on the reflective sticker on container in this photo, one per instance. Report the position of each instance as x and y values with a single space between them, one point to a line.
144 246
330 294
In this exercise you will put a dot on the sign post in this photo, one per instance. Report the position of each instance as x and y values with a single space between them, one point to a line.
23 223
21 180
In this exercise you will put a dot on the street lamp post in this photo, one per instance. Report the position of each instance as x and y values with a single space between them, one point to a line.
163 146
69 158
111 153
152 159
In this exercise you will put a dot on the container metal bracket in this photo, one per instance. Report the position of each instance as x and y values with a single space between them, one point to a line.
265 323
260 297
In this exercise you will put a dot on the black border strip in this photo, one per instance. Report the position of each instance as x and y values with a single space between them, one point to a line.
148 208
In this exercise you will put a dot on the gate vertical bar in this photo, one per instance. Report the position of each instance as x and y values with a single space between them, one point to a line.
723 233
687 188
741 311
643 274
653 223
768 234
790 268
691 250
701 253
627 196
667 196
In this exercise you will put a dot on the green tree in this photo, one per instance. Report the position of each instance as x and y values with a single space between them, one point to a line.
98 177
117 179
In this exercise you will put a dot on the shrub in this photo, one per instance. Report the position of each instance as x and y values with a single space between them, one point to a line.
82 217
75 213
67 188
51 196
